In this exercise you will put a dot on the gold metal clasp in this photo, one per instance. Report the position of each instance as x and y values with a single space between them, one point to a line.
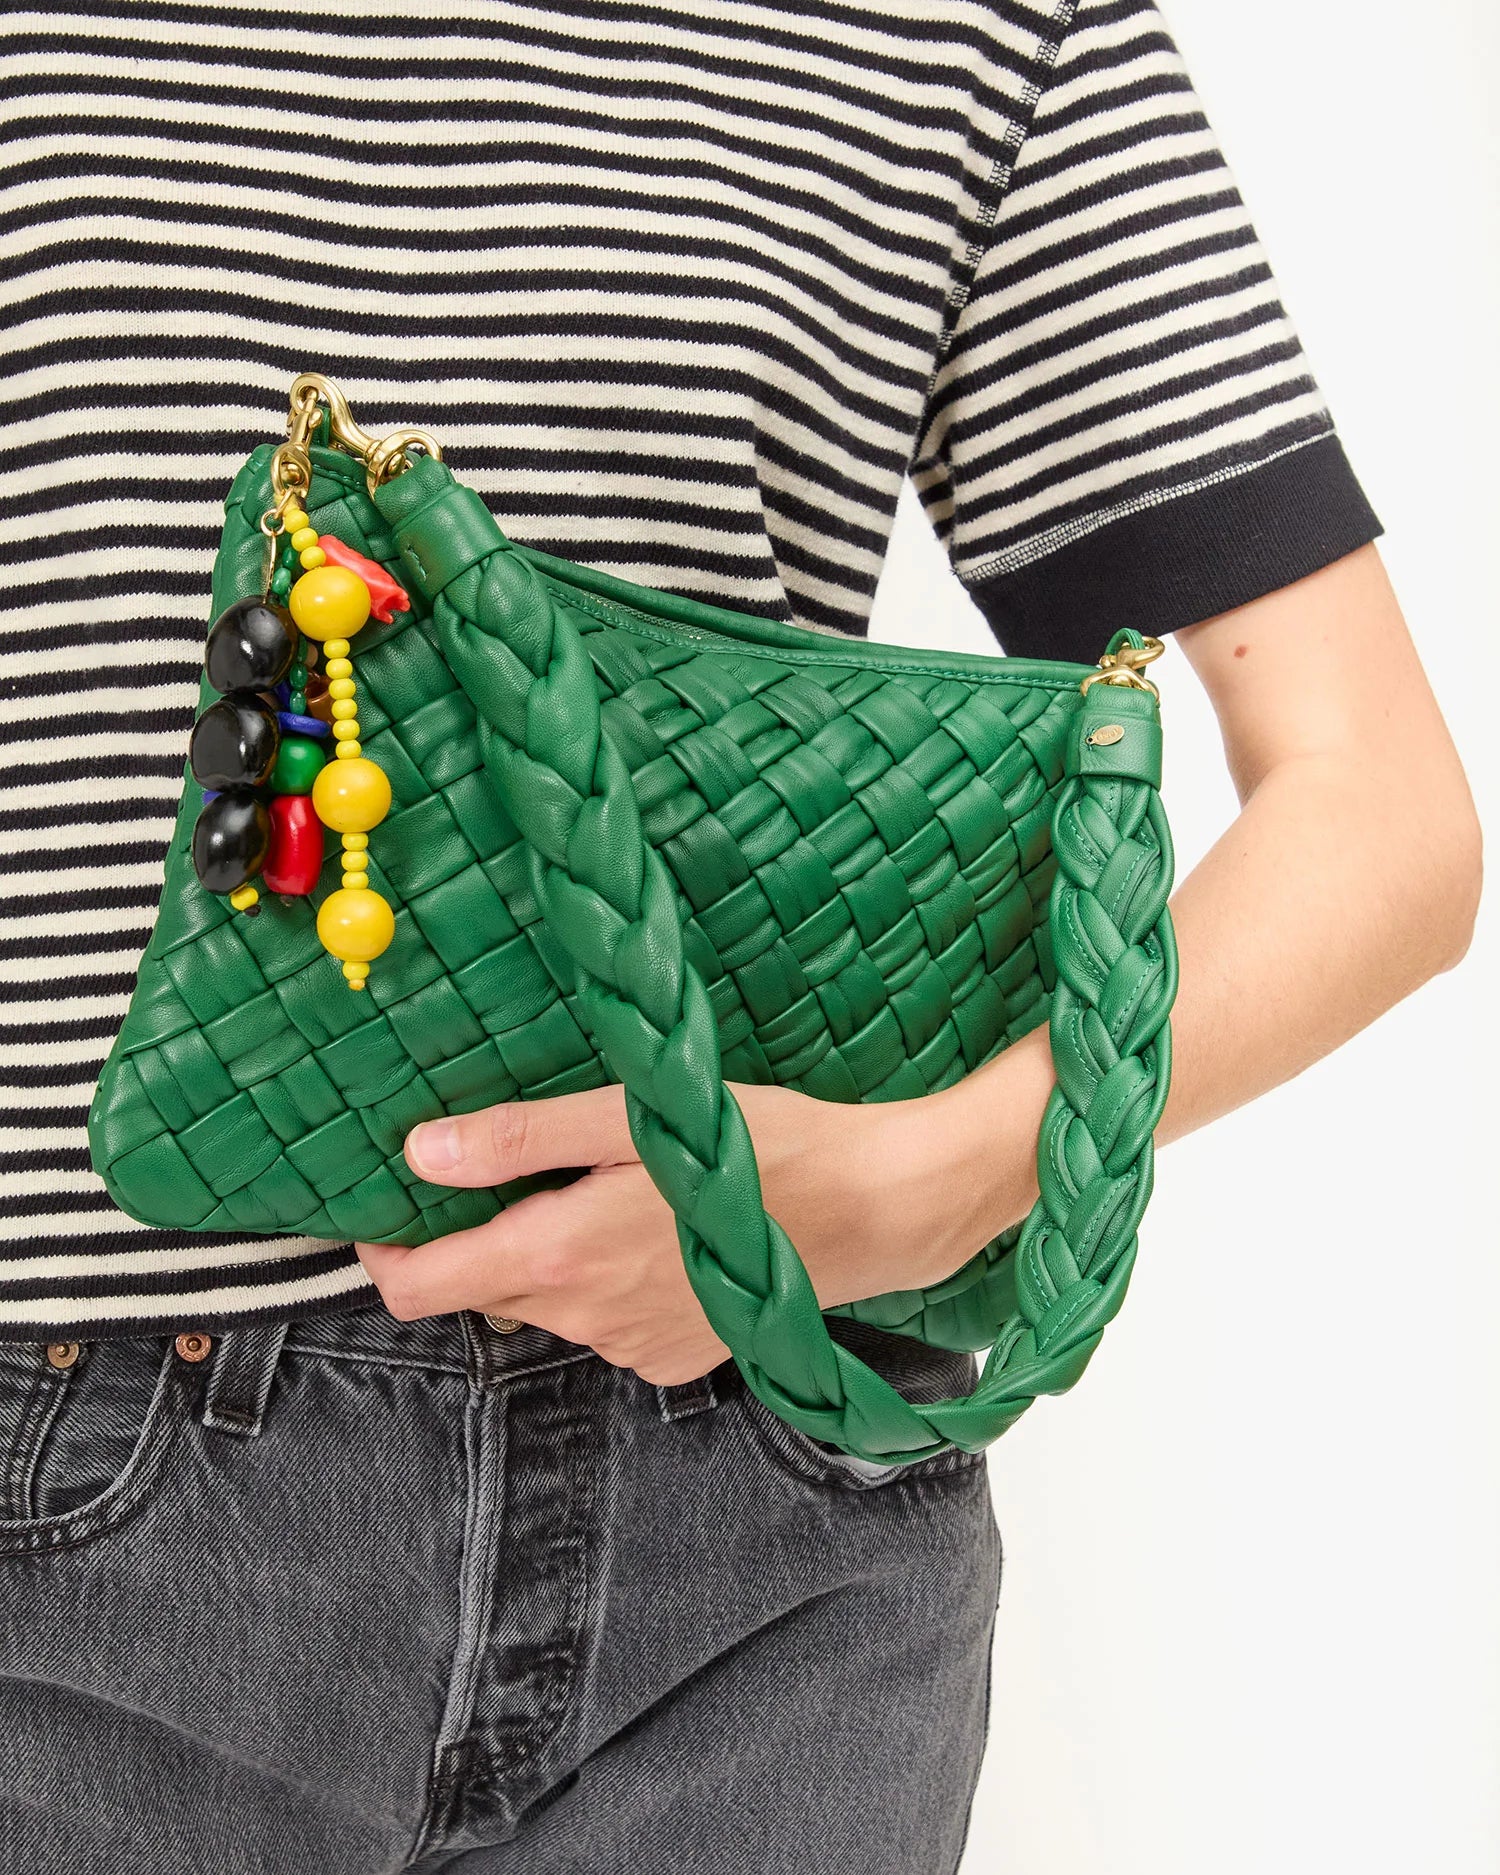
389 457
291 466
1122 668
383 457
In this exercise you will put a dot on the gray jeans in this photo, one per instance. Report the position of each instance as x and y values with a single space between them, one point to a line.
354 1596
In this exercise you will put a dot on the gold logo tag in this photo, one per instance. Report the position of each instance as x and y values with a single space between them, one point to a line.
1105 734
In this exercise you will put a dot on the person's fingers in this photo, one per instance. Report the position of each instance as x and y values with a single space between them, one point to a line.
518 1137
533 1250
480 1268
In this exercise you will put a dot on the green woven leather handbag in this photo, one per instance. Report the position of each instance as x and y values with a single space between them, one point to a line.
617 835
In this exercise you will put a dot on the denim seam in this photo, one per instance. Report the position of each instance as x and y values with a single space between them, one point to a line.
130 1491
358 1357
542 1367
989 1691
486 1436
23 1461
559 1661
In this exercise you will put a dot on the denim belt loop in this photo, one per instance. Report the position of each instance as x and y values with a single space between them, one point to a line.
239 1383
691 1396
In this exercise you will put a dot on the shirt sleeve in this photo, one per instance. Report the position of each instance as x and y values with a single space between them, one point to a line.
1123 430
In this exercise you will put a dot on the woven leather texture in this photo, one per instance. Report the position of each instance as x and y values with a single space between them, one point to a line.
641 839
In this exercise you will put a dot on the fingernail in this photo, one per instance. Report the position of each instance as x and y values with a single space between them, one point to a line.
434 1146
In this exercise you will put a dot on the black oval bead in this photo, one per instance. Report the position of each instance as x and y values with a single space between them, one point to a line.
230 841
234 744
250 646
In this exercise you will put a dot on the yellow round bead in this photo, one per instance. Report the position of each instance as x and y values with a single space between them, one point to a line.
348 750
340 688
305 537
330 604
355 926
337 667
356 842
355 881
294 520
352 796
346 731
312 557
357 983
337 649
344 710
244 898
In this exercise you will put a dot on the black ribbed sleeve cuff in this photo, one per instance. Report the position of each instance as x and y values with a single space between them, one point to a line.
1184 559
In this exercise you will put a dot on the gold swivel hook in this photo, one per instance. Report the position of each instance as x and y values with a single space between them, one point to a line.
1122 668
383 457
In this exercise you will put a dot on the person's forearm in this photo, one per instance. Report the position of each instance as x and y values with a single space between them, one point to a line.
1332 896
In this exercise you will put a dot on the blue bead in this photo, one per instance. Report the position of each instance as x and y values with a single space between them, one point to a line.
294 725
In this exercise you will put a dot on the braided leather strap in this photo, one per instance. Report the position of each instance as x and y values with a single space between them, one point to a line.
609 898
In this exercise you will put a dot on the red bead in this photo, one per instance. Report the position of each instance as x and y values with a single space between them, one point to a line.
296 855
386 597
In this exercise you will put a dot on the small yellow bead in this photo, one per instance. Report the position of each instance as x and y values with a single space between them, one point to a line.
355 881
345 710
336 648
356 970
305 537
340 688
330 604
357 983
294 520
356 842
349 749
337 667
313 557
244 898
346 732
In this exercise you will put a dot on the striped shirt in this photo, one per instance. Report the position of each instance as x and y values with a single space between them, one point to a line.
686 290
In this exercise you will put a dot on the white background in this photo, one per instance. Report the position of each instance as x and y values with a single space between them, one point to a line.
1250 1618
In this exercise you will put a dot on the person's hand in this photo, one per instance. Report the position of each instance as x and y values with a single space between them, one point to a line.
875 1197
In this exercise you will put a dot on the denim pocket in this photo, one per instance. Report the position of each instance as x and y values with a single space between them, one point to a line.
917 1372
85 1429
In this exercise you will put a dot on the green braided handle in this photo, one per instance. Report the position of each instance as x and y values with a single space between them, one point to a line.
609 898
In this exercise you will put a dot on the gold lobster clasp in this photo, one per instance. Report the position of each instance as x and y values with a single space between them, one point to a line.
1122 668
383 457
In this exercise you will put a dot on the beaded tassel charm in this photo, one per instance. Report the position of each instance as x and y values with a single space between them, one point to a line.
279 755
330 603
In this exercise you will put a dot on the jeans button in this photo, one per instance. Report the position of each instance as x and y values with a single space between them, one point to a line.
195 1347
63 1354
503 1324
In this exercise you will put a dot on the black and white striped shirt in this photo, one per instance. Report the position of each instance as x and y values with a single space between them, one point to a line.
687 290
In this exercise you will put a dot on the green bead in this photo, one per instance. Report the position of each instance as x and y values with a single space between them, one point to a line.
297 765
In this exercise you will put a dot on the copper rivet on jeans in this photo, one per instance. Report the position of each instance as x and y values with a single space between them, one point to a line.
194 1347
63 1353
503 1324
